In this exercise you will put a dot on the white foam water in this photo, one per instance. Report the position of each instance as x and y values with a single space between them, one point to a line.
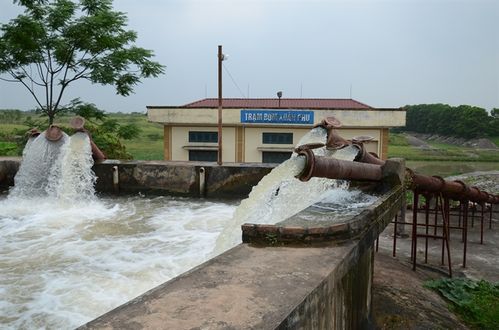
344 202
279 195
61 169
63 264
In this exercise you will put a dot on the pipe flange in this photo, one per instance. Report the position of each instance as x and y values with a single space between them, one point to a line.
361 139
464 194
336 146
308 146
442 182
329 122
306 174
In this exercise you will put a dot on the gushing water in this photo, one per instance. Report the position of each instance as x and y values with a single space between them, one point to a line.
280 195
63 264
61 169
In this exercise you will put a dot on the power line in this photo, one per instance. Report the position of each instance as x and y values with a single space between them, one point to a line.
233 81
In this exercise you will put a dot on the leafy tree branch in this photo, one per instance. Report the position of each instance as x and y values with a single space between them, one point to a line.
55 43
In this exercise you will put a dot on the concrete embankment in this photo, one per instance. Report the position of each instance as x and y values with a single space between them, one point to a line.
195 179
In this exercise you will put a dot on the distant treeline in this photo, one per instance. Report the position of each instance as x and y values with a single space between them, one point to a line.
14 116
462 121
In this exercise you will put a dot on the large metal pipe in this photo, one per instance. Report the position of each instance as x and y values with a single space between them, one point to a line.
456 189
332 168
368 167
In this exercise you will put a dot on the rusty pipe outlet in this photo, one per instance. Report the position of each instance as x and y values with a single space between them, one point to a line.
334 140
331 168
364 156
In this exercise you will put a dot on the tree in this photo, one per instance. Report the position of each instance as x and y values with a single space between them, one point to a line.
463 121
58 42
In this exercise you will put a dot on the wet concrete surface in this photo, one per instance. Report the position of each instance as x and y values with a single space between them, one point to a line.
399 299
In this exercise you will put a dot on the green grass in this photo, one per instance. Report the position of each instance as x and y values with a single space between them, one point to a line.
397 139
443 152
476 302
149 144
9 129
495 139
8 149
151 150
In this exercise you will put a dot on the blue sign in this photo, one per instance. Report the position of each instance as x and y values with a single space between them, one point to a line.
258 116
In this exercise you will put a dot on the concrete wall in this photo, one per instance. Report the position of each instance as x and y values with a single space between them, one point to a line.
166 178
8 169
180 178
253 141
180 142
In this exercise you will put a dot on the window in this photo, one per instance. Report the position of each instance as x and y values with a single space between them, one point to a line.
277 138
275 157
203 155
200 136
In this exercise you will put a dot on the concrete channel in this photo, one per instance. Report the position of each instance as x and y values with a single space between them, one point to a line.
285 276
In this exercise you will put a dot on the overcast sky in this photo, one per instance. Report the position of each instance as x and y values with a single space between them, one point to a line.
383 53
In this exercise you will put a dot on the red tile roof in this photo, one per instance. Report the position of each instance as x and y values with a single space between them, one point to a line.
285 104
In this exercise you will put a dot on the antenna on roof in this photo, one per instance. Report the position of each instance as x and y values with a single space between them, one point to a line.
350 91
279 95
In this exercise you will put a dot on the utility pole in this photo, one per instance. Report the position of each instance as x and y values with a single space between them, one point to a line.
220 59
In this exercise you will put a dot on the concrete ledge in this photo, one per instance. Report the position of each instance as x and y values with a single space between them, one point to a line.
293 231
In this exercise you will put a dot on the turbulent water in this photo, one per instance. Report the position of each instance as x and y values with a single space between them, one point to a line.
60 169
65 263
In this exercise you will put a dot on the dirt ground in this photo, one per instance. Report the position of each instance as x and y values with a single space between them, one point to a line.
399 299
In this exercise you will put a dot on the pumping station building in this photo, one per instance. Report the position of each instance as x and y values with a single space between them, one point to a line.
265 130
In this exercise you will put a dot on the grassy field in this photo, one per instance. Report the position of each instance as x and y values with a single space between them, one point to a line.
149 144
399 147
